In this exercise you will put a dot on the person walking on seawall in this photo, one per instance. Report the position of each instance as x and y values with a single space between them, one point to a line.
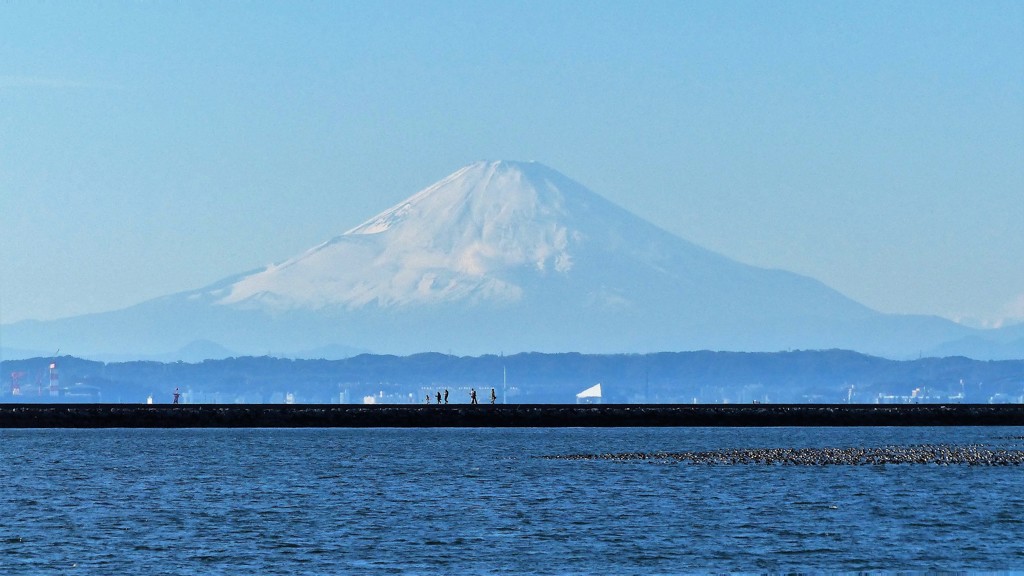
428 398
439 397
493 396
177 395
472 395
445 395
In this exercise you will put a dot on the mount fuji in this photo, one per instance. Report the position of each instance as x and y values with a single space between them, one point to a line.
499 257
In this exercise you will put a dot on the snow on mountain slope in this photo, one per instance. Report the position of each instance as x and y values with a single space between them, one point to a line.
451 241
478 235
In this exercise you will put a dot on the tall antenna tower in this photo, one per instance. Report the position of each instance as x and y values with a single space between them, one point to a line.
54 376
15 386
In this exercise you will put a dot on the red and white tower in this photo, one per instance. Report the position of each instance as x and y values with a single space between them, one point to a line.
54 379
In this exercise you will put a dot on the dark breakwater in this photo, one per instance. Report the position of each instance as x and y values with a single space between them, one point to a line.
507 415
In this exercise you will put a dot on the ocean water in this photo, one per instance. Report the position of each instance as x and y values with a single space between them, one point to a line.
485 501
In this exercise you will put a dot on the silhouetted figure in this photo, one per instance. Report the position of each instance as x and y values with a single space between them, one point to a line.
439 397
493 396
177 395
428 398
472 395
445 395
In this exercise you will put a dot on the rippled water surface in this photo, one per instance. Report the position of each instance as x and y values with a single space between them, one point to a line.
481 501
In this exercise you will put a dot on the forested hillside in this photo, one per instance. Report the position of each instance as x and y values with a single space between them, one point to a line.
832 376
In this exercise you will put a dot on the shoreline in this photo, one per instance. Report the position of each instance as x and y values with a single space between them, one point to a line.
502 415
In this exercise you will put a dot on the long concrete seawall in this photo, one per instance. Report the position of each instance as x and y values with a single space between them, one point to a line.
510 415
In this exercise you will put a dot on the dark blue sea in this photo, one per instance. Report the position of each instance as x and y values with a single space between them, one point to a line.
484 501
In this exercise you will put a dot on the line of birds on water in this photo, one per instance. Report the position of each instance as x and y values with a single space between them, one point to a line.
938 454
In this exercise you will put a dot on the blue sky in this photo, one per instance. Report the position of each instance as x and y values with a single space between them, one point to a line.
148 148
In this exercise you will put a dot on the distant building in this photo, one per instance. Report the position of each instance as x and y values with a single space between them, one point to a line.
591 395
80 392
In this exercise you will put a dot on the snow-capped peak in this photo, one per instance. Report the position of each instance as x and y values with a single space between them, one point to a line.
483 191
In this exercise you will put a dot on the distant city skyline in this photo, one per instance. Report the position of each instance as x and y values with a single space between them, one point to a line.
149 149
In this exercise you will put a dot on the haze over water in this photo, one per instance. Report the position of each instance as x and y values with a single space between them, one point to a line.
482 501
